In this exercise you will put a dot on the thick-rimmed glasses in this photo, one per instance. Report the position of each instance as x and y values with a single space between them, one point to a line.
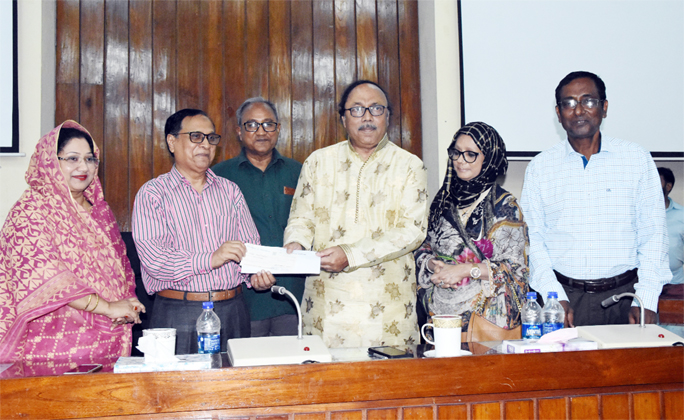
587 103
360 111
76 160
468 156
198 137
253 126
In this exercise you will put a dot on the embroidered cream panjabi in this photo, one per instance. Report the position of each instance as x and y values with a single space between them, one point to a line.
376 211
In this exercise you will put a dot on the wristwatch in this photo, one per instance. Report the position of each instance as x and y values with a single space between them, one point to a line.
475 272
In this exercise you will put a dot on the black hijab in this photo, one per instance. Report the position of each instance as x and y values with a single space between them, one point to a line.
464 193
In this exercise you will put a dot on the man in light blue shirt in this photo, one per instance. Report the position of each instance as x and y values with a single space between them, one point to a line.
594 212
674 213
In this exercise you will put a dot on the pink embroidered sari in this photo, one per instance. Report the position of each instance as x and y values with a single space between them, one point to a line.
53 252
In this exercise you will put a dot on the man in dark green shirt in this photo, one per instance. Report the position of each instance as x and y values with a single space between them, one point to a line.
268 181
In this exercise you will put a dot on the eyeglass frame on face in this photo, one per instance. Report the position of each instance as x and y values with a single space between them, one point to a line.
458 154
204 136
76 160
584 102
366 108
262 125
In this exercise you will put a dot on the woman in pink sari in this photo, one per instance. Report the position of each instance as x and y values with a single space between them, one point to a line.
67 291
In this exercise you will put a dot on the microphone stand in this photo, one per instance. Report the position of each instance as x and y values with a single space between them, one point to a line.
613 299
283 291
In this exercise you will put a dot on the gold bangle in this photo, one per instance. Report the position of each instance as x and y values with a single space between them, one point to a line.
90 297
97 302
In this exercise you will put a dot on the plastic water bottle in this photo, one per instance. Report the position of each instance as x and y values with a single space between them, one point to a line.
531 318
208 330
553 315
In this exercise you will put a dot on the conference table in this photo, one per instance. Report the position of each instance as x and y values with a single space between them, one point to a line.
637 383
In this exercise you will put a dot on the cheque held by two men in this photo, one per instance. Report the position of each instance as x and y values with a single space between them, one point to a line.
387 258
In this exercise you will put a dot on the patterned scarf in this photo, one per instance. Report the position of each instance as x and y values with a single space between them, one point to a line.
463 193
52 252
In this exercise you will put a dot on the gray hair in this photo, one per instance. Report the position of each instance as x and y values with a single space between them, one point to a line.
251 101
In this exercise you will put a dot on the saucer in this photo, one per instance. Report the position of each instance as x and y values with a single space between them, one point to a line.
431 353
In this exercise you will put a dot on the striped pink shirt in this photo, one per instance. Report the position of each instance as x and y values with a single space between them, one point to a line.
176 230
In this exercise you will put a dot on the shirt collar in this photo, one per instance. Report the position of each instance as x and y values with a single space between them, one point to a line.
674 205
242 158
177 178
382 144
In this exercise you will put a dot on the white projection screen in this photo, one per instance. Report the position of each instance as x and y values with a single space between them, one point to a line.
9 139
515 52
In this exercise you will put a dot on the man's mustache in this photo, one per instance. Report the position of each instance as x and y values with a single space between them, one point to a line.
368 126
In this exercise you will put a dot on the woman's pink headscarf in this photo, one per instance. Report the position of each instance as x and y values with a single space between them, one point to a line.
53 252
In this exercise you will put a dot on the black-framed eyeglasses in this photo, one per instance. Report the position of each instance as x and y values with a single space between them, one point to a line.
468 156
253 126
360 111
587 103
198 137
76 160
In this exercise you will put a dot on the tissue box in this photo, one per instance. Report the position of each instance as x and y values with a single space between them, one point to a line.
185 362
530 346
580 344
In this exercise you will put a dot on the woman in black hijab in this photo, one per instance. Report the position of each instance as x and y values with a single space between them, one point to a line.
474 259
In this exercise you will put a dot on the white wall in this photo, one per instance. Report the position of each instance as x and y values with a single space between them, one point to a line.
36 57
440 96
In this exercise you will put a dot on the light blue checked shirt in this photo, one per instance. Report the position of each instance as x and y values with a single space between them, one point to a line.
596 222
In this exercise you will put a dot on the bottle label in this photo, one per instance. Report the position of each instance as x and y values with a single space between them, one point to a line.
548 327
531 331
208 343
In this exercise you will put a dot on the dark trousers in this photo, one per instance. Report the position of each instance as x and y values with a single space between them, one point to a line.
182 315
278 325
588 309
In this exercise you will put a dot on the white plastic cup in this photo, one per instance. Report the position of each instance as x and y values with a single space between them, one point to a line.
447 332
165 340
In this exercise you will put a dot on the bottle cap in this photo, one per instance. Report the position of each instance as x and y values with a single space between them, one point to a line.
208 305
552 295
532 295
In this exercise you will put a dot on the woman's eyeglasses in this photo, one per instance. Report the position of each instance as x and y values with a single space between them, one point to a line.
76 160
468 156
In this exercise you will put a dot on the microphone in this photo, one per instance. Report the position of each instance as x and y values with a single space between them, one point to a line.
613 299
283 291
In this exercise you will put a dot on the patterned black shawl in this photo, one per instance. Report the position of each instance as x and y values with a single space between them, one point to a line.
464 193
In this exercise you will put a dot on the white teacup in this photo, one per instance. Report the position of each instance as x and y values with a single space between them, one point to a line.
447 332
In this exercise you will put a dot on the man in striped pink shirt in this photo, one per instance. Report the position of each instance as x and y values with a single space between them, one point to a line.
190 227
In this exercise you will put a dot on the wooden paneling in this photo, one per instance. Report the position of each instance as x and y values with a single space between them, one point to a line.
521 410
552 409
124 66
615 407
673 404
452 412
584 408
646 405
488 411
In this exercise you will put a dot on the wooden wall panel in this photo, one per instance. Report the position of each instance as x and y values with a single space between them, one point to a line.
124 66
164 82
673 405
141 116
452 412
646 405
280 75
346 415
488 411
584 408
615 407
67 78
116 107
383 414
234 91
519 410
552 409
418 413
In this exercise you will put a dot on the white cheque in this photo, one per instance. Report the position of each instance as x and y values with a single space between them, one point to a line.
278 261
